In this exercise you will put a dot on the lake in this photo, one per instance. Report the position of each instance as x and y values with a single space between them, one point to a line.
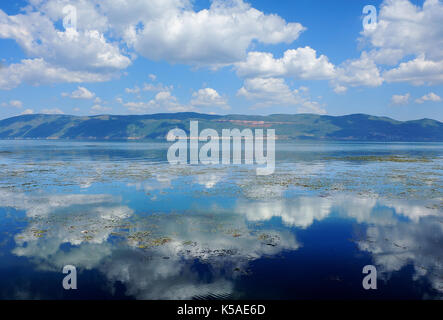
136 227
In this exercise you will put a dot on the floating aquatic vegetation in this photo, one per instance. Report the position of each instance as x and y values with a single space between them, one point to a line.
38 233
386 158
102 214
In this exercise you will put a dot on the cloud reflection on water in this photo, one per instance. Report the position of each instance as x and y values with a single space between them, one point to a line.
397 233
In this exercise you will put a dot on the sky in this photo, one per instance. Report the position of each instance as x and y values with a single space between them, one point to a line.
262 57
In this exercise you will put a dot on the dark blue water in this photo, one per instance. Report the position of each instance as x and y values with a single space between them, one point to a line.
136 227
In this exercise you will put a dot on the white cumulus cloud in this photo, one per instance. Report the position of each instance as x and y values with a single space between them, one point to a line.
39 72
82 55
275 92
357 72
398 99
208 97
163 101
428 97
219 35
301 63
419 71
80 93
412 32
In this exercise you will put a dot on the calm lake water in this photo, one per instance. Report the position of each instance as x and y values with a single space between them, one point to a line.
136 227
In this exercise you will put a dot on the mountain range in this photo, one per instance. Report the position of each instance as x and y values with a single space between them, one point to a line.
355 127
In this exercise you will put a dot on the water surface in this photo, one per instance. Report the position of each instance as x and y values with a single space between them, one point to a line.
136 227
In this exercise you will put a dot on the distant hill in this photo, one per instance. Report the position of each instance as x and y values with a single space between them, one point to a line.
356 127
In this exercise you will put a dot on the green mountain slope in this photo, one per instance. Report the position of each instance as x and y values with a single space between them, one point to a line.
359 127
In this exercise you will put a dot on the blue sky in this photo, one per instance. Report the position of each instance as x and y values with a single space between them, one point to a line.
256 57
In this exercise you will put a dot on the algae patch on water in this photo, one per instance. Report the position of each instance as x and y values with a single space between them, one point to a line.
389 158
